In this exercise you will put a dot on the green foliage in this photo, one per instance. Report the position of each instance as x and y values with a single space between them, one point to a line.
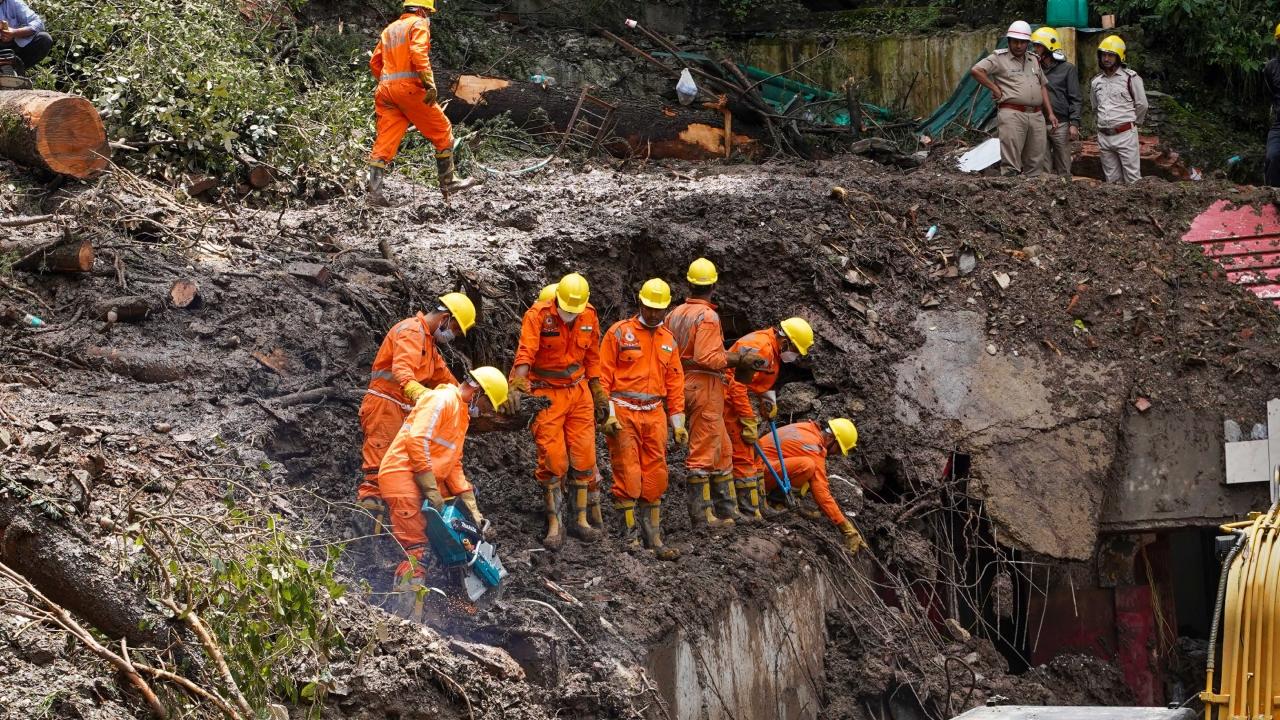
1235 36
888 20
196 84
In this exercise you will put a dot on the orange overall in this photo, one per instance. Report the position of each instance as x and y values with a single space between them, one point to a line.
696 327
407 353
805 453
431 439
640 369
398 64
561 359
762 343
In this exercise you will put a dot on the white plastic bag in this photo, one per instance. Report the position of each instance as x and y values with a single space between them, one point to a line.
686 89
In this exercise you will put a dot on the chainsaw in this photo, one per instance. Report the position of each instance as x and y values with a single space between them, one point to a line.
12 71
462 552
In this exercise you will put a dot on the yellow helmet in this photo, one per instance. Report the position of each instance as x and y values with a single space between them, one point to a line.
1278 31
1112 44
845 432
547 292
702 272
572 293
493 382
1047 37
799 332
655 293
428 5
461 308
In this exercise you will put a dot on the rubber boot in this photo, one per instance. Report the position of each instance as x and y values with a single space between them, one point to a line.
726 501
449 183
373 184
700 508
370 518
651 522
594 515
630 533
580 528
410 589
748 490
554 498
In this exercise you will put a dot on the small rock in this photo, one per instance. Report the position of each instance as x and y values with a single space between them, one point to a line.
161 427
1259 432
1231 431
958 633
1002 279
47 426
6 439
1142 404
991 349
968 261
839 193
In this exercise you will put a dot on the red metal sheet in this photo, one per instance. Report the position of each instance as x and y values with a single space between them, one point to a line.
1137 641
1245 241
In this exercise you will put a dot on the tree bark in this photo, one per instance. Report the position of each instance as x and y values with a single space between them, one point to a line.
127 309
644 127
66 254
52 131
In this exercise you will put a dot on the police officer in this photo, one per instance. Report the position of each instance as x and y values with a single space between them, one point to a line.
1271 76
1064 90
1120 101
1019 87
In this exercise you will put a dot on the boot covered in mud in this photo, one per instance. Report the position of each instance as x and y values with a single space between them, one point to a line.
446 174
701 512
578 526
409 592
651 523
594 516
370 518
553 498
748 490
373 186
627 520
725 498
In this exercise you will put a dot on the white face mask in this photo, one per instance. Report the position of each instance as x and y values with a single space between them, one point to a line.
642 322
567 317
789 356
443 335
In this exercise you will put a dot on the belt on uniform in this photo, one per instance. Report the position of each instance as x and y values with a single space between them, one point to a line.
1121 128
1020 108
633 406
384 396
539 385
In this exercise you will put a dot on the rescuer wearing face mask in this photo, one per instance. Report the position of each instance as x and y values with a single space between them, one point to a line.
774 346
407 364
559 359
805 447
640 370
424 462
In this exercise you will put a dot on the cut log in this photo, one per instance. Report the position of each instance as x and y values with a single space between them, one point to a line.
202 185
52 131
129 308
67 254
141 366
314 273
184 294
644 127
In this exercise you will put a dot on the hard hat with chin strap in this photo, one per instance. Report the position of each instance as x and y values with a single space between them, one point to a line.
461 308
494 384
1047 37
1114 45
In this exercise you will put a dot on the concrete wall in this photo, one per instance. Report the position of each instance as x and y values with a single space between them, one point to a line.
757 660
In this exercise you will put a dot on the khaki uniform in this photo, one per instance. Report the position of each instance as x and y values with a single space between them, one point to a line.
1022 133
1119 100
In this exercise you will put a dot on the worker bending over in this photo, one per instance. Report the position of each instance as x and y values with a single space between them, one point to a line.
773 347
805 446
424 462
406 93
559 359
697 331
640 370
408 362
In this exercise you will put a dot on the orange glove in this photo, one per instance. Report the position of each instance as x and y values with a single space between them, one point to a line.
414 390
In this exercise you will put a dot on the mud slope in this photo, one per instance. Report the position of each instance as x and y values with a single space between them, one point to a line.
1102 304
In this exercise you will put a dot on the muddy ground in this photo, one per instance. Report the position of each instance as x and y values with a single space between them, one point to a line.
181 402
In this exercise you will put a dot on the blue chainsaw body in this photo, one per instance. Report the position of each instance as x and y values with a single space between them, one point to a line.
458 544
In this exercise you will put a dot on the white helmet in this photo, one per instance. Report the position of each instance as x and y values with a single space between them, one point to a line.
1019 30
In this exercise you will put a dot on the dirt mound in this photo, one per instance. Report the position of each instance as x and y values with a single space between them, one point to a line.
1057 276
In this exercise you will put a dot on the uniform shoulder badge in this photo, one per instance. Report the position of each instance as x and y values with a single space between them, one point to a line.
1002 51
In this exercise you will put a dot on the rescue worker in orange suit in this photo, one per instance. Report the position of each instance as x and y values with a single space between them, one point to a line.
406 93
559 359
640 370
407 364
774 346
805 446
424 461
696 327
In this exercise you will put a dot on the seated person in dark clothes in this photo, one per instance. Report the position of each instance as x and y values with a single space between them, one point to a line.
22 31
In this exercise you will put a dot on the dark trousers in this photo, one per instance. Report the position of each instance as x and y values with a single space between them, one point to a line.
35 51
1273 156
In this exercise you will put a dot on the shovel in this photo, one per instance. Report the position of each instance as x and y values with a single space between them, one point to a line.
783 481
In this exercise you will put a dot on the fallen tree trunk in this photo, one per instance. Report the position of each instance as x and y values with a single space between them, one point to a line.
52 131
67 254
647 128
125 309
